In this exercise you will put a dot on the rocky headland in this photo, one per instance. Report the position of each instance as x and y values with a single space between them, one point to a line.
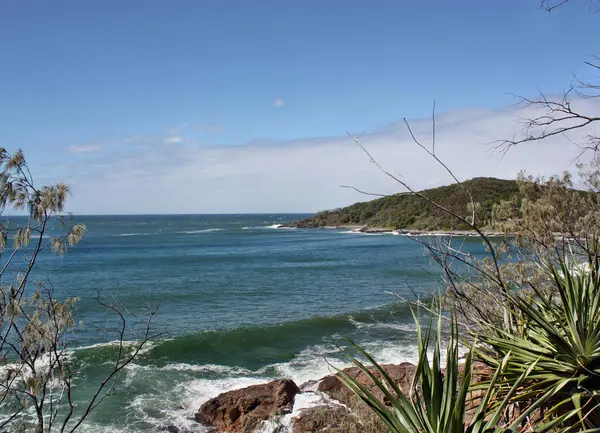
417 212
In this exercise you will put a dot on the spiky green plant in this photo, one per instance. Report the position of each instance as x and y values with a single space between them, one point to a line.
559 334
437 401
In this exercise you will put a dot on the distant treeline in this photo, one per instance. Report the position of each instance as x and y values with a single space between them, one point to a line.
409 211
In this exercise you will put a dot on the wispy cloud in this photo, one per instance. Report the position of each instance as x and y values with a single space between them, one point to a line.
180 133
173 140
84 148
305 175
277 102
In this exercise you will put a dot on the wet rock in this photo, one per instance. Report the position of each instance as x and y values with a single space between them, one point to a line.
242 410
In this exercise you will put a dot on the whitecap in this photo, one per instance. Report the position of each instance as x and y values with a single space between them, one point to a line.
272 226
207 368
192 232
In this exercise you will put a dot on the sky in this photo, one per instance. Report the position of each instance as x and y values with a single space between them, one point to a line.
208 106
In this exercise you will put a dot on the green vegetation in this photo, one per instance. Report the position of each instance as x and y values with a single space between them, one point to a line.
529 312
544 366
559 333
439 400
409 211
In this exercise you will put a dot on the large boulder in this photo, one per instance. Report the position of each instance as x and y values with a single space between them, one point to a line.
402 374
242 410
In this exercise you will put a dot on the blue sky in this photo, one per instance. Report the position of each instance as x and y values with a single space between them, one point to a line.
91 86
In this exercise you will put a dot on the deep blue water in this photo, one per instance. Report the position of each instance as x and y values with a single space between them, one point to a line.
240 302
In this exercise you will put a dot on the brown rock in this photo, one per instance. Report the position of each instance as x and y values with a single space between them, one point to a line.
241 410
479 373
326 419
402 374
356 416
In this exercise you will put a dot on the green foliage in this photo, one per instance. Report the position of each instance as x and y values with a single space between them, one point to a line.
33 324
408 211
438 398
36 329
559 332
550 211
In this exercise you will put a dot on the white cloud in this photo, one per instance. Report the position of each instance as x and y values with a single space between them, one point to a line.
84 148
173 140
305 175
277 102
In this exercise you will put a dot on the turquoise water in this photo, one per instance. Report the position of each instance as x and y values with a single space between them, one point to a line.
241 302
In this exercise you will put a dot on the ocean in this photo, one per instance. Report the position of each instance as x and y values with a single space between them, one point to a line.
240 301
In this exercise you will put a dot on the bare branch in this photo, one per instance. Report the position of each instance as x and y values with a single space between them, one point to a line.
559 117
363 192
470 224
550 5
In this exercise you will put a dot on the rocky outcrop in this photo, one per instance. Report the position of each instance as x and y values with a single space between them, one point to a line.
242 410
338 411
373 230
402 374
347 413
306 223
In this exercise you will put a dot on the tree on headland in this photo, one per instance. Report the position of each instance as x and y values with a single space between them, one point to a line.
37 329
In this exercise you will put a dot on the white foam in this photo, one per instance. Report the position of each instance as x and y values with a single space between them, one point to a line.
358 232
94 428
301 403
126 344
272 226
176 404
404 327
193 232
186 399
207 368
179 389
309 364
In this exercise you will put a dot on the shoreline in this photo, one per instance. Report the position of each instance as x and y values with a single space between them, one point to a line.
357 228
